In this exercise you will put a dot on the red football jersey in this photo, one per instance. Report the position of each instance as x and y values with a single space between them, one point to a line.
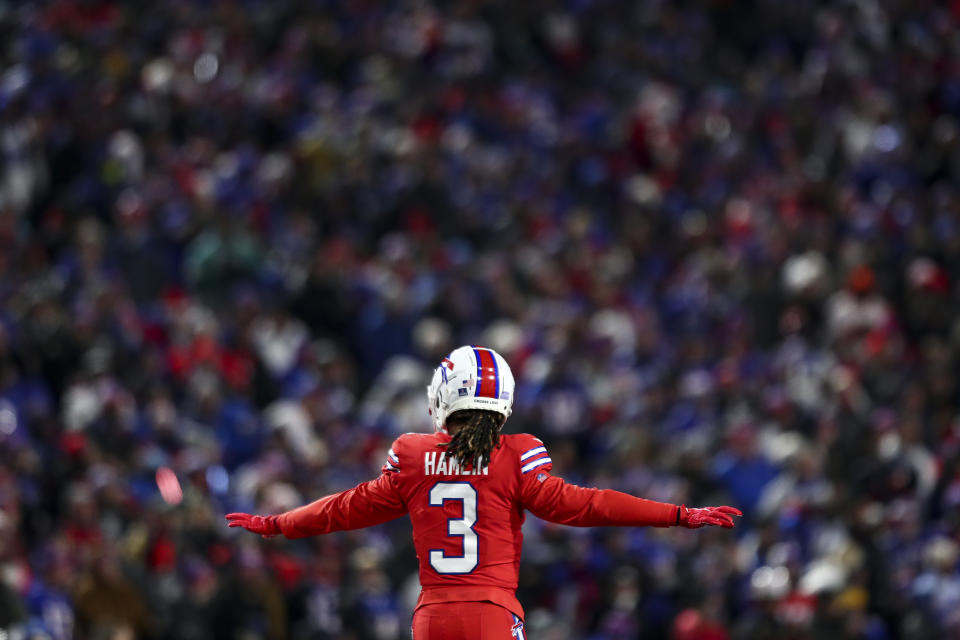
466 522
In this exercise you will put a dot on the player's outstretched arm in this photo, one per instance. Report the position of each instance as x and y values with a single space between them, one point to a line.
552 499
368 504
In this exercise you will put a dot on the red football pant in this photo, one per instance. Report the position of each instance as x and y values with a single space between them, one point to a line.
466 621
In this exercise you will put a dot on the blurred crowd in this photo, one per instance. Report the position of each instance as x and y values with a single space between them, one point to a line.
717 240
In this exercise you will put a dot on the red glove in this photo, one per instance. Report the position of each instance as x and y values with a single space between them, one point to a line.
264 525
715 516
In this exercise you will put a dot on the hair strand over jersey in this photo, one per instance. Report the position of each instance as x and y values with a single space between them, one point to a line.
477 433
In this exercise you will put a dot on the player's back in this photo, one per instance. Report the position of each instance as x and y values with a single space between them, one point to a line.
466 521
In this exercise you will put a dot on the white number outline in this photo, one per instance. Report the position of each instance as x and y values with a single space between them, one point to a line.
438 557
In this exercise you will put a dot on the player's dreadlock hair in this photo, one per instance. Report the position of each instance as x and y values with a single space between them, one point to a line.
477 433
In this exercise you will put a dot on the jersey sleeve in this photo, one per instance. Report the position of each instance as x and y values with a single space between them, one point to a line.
369 503
533 456
550 498
392 463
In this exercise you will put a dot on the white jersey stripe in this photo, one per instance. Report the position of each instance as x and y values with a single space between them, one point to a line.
534 464
393 456
532 452
391 467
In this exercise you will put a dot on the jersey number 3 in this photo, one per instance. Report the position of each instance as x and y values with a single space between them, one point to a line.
462 527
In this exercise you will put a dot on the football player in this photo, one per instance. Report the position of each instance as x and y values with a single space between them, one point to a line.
466 487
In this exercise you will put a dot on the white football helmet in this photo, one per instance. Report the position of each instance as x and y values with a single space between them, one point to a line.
470 378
